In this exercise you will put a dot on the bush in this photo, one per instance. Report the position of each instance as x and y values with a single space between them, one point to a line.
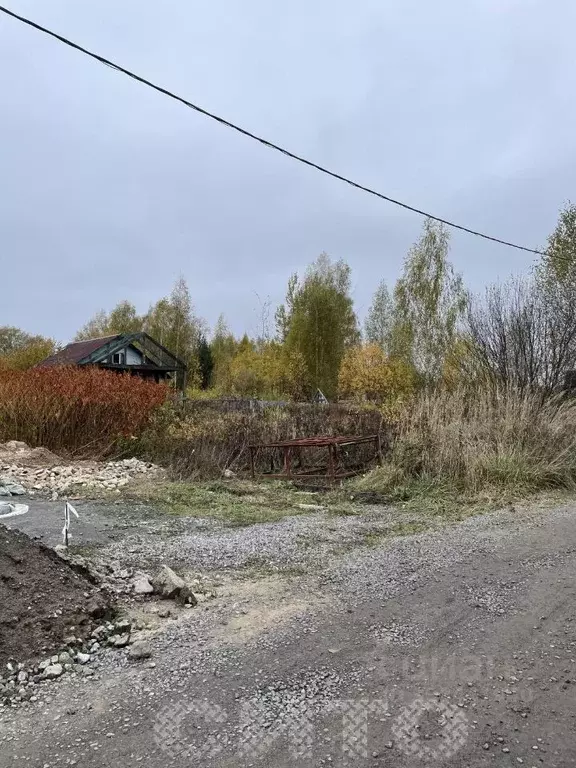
84 411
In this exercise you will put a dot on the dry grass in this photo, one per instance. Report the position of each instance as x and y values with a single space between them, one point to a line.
480 443
202 440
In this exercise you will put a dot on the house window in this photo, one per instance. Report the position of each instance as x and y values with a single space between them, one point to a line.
118 358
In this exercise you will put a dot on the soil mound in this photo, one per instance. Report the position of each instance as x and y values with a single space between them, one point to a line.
42 599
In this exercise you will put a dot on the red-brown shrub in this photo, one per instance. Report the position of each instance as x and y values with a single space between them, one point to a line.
78 410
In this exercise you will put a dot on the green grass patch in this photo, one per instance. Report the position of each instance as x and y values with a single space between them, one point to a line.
236 503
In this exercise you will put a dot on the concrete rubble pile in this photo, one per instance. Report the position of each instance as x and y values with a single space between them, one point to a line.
22 471
120 580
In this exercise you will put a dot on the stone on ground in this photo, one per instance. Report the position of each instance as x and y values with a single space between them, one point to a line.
140 650
53 671
142 586
170 586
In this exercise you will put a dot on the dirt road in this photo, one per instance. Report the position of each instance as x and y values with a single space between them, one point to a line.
452 648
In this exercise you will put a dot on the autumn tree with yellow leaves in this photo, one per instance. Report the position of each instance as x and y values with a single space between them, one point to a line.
267 370
368 374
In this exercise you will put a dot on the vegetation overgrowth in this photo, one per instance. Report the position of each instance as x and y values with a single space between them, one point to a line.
468 390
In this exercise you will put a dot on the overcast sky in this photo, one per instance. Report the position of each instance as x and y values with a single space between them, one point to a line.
109 190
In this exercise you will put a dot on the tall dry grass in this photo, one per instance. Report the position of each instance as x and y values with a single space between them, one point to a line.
473 440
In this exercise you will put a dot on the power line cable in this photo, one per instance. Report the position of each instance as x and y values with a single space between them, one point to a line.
260 139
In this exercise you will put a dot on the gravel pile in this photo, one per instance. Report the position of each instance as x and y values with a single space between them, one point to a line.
17 452
17 478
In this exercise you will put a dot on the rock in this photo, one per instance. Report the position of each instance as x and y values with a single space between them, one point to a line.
57 479
15 489
100 632
170 586
82 658
228 474
164 613
122 627
139 650
95 608
121 641
64 658
16 446
53 671
142 586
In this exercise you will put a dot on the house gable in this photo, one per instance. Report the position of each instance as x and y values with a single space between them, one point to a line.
128 355
138 353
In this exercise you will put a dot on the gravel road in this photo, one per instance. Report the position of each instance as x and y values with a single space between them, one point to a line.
452 648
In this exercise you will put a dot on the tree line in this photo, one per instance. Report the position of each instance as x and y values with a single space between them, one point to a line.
426 330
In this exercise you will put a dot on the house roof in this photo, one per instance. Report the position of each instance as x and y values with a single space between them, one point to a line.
96 351
76 351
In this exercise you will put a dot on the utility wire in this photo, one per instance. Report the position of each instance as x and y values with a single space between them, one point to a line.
259 139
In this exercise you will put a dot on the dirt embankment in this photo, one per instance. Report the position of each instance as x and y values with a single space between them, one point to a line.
42 599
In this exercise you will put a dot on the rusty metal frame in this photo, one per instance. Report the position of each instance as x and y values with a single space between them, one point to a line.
290 448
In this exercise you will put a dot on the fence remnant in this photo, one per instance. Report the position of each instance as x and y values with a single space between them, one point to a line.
338 463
